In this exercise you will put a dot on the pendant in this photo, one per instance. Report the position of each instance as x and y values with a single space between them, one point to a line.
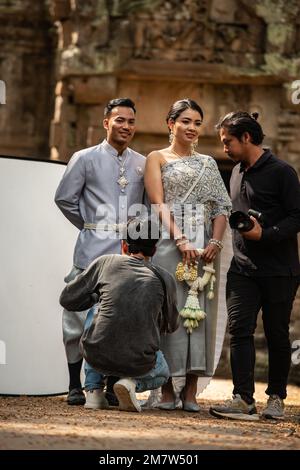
122 181
122 170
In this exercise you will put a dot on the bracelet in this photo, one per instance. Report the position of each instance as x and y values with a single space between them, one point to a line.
218 243
182 242
183 235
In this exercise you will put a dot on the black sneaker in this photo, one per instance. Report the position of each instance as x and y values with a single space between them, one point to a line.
76 397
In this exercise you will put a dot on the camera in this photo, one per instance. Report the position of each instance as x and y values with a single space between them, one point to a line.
241 221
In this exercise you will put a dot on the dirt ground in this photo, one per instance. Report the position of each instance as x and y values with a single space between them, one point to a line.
49 423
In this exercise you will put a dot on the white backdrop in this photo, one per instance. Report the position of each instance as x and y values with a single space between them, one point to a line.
36 250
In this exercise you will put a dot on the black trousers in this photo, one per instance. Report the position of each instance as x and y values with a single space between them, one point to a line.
245 297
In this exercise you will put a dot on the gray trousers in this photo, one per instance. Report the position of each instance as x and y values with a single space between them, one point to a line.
73 325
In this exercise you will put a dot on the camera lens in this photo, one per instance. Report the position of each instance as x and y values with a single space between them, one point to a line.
255 214
240 221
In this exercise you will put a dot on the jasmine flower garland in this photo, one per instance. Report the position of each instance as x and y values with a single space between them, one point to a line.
192 312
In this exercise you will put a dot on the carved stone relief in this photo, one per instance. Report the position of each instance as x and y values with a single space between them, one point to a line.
191 31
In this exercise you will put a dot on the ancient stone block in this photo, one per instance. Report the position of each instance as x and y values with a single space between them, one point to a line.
94 135
95 115
26 65
280 38
223 11
55 134
264 100
60 9
66 29
62 88
94 90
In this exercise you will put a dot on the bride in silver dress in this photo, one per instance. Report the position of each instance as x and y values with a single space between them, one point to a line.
193 204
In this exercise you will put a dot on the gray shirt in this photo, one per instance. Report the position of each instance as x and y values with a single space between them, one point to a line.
125 333
89 193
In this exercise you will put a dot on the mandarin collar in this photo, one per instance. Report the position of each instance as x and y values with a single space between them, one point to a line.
111 150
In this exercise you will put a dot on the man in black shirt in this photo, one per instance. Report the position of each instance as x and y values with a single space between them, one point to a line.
264 272
137 302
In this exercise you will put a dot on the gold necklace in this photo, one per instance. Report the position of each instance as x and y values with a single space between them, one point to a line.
181 156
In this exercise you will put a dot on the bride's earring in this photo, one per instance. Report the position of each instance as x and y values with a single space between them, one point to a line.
194 145
171 137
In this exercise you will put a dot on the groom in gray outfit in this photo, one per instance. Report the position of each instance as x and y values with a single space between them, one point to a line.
96 194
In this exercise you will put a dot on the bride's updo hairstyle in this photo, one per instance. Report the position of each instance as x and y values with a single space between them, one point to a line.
179 106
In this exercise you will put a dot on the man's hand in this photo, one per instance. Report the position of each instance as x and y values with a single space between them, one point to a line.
210 252
189 253
255 233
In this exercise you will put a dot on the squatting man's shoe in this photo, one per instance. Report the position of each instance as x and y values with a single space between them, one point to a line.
236 408
95 400
125 392
274 408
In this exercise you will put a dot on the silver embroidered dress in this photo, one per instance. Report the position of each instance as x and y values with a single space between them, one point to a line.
192 352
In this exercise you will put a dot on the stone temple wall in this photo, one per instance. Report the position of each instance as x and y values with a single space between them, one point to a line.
62 60
27 54
226 54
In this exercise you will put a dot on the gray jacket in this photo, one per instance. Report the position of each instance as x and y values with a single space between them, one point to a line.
125 333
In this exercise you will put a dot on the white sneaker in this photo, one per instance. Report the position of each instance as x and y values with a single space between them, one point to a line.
95 400
125 392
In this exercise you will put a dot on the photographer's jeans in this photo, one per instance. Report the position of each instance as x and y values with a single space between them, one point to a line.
157 377
93 379
245 297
